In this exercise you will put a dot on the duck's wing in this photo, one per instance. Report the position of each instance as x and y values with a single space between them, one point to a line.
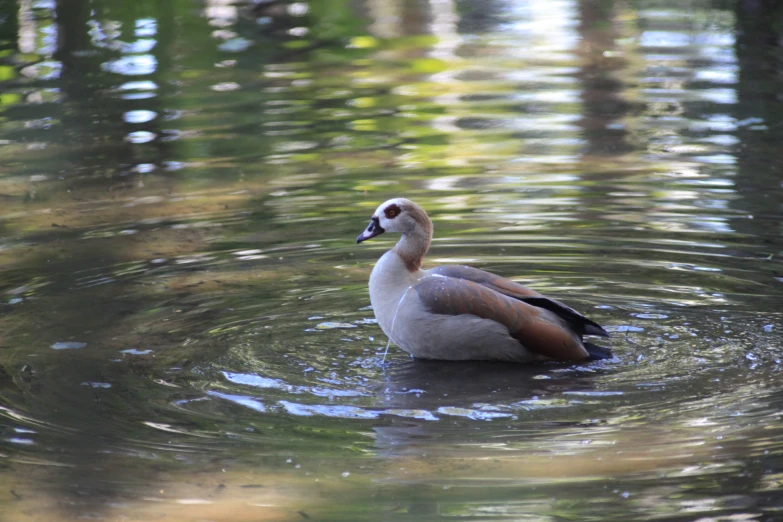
534 327
582 325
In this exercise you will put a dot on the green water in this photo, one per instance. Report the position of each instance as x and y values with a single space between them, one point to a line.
185 331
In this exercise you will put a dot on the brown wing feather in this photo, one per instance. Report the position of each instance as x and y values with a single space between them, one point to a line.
535 328
582 324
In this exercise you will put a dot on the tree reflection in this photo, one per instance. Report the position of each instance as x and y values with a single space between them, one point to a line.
759 113
602 80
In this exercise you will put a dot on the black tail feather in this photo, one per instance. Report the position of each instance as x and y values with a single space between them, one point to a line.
580 322
596 352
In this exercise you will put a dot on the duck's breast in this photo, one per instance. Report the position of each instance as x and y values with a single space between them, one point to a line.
390 282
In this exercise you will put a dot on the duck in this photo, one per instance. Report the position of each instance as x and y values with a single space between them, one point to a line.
460 313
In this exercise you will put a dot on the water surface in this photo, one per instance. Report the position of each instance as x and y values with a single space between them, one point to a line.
185 330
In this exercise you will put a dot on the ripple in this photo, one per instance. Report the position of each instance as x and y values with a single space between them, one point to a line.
141 137
247 402
134 65
139 116
68 345
225 86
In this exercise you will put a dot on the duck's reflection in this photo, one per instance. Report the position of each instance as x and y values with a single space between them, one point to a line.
434 384
431 401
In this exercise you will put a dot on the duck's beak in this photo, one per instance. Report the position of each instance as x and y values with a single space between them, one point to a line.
374 229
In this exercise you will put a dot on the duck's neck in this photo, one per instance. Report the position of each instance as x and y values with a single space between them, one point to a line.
396 270
412 247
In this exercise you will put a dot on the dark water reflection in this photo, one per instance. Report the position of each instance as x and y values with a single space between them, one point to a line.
184 319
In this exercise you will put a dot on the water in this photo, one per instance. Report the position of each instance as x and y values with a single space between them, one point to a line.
185 331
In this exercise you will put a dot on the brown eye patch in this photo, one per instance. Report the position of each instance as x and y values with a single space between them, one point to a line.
392 211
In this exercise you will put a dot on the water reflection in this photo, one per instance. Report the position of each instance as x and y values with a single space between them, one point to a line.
180 293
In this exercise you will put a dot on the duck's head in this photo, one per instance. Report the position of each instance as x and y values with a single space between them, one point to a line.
398 215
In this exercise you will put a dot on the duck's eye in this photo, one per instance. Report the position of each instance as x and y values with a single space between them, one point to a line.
392 211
